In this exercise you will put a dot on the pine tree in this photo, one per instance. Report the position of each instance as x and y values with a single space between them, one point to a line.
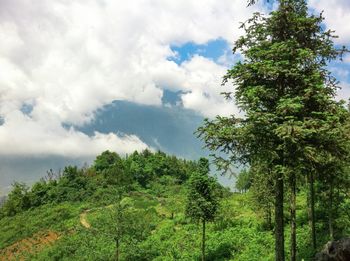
287 95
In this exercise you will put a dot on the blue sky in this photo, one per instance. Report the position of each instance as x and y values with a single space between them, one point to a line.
212 50
79 77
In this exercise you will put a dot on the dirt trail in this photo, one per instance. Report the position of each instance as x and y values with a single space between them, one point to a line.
83 216
34 244
38 241
83 220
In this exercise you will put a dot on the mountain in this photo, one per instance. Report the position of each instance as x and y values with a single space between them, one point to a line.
167 128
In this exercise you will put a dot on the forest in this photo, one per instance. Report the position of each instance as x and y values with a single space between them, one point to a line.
289 153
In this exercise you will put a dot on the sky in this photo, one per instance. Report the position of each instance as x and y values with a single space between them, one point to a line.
78 77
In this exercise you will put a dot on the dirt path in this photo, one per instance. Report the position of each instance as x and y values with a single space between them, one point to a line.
83 216
38 241
83 220
34 244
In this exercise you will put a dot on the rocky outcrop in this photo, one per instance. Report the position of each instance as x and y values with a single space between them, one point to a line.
335 251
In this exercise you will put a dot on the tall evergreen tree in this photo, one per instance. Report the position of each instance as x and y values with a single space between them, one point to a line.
287 95
262 189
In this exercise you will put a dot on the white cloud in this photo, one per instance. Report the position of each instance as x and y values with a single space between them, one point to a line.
22 135
203 80
68 58
337 14
200 80
344 92
346 58
340 71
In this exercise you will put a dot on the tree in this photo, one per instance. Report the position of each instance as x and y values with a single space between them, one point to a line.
333 180
174 197
126 225
287 95
39 193
262 188
244 180
202 198
121 226
105 160
17 200
252 2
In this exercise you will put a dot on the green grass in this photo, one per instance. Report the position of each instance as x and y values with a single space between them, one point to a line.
238 233
59 218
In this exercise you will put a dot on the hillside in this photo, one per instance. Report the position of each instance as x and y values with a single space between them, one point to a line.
75 215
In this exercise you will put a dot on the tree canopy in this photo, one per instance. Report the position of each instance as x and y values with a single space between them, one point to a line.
292 123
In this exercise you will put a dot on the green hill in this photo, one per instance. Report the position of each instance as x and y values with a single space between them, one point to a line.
76 215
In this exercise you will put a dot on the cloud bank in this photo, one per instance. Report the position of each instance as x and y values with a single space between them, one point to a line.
337 14
65 59
62 60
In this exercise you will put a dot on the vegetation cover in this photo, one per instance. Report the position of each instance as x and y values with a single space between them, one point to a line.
147 206
293 131
140 207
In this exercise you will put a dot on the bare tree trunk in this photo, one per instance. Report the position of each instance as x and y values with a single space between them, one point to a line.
308 198
330 213
293 239
203 241
268 217
117 250
279 228
312 210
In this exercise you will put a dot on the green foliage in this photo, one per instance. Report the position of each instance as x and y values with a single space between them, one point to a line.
244 180
82 245
293 126
58 218
106 160
101 183
235 234
17 200
150 221
157 183
202 198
